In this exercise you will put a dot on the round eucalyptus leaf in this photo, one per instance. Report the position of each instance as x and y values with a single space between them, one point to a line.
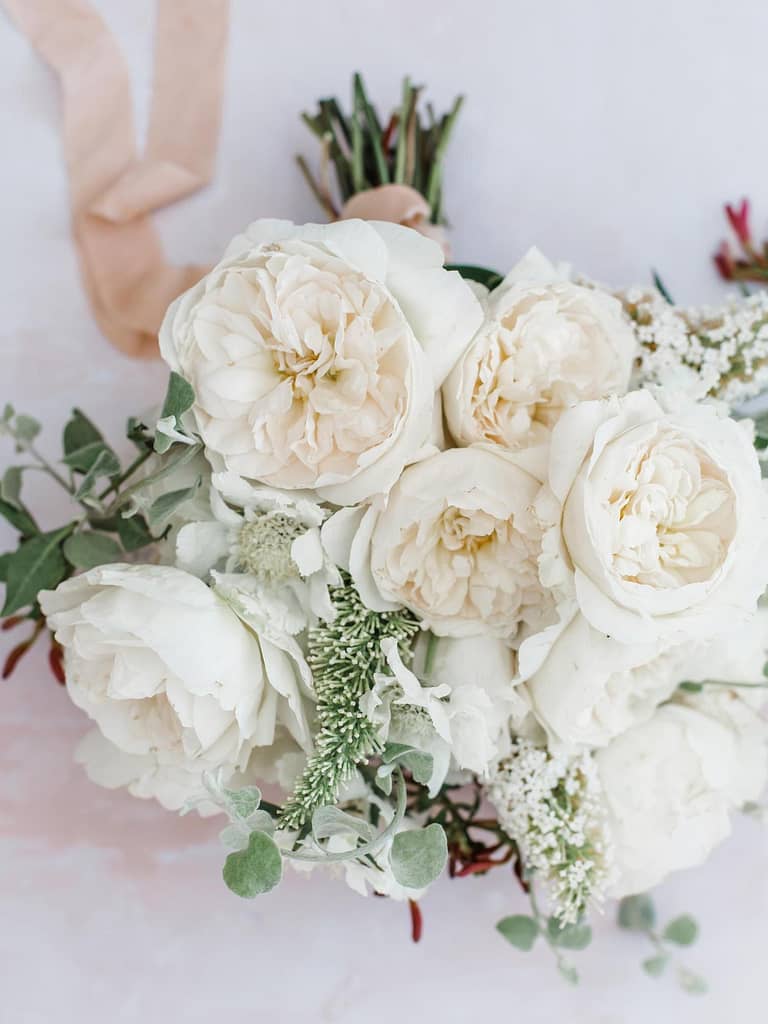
256 869
419 856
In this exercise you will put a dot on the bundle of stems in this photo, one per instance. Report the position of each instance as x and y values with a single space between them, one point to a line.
408 148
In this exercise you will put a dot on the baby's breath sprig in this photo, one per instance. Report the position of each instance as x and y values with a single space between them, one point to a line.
407 148
345 655
721 352
552 807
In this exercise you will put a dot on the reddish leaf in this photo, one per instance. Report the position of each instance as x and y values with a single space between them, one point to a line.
417 922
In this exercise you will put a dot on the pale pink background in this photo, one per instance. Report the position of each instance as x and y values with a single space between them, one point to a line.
606 133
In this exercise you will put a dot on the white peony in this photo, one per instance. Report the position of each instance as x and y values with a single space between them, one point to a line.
316 352
545 345
175 683
456 542
267 542
655 521
671 784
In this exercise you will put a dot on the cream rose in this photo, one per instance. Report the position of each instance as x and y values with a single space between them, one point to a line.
175 682
545 344
655 521
671 784
456 542
315 353
592 688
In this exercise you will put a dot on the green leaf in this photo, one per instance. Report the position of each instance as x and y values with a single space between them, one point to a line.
571 936
655 966
332 821
691 983
520 930
37 565
243 801
662 288
19 518
483 275
179 397
134 533
8 413
682 931
10 486
4 560
26 428
234 838
419 856
88 549
164 506
139 434
636 913
256 869
79 433
568 972
105 464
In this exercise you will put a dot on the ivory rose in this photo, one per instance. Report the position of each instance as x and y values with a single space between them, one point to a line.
456 542
655 520
316 351
545 344
592 688
671 784
175 682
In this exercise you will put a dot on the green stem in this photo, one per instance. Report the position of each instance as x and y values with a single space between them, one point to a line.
118 482
367 848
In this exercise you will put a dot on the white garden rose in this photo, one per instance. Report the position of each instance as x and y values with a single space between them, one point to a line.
591 688
671 784
456 542
176 684
545 344
655 521
316 352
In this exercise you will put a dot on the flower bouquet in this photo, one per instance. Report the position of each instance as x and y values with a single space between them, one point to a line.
422 566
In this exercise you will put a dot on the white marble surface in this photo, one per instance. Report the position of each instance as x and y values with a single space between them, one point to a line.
607 133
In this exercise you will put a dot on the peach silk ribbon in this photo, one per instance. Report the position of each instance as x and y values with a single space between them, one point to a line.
112 188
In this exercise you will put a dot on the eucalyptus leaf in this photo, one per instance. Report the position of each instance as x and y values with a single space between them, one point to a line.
332 821
637 913
88 549
482 275
234 838
26 428
105 464
134 532
571 936
38 564
243 802
10 486
164 506
682 931
520 930
691 983
568 972
418 856
655 966
256 869
79 433
19 518
260 821
179 397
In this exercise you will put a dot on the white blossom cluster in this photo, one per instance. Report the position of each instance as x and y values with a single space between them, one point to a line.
717 351
552 806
